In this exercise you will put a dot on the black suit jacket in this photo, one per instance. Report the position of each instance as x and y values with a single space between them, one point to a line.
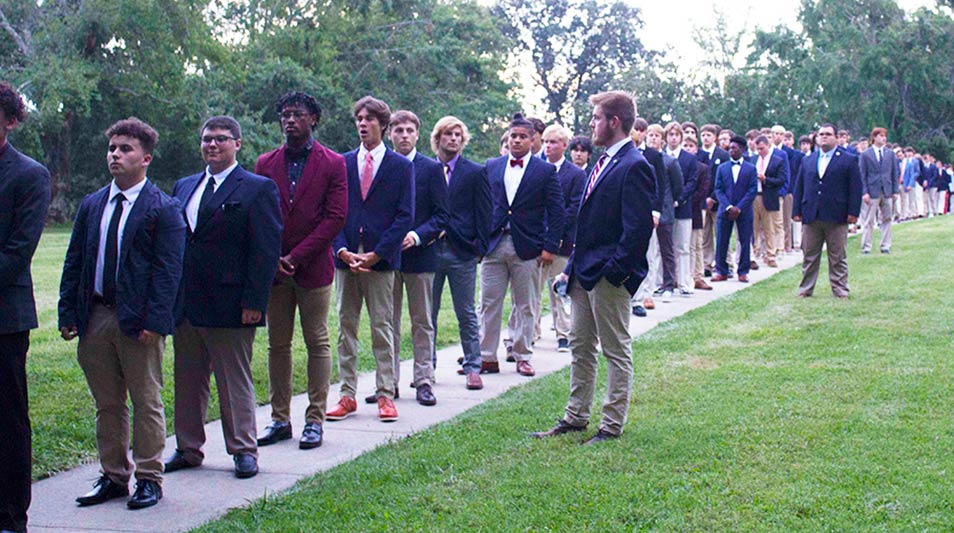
232 256
719 156
148 270
655 159
24 201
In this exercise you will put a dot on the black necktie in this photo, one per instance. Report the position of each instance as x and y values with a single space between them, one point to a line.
112 252
206 195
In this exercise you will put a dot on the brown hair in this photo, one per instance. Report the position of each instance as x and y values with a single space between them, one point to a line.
376 108
617 104
137 129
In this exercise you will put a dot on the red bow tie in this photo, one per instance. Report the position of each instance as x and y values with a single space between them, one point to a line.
516 163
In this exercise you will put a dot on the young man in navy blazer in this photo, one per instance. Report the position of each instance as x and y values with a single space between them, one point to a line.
614 226
418 257
233 244
24 199
313 184
735 189
827 199
713 155
772 173
464 239
117 294
572 180
368 252
525 234
682 229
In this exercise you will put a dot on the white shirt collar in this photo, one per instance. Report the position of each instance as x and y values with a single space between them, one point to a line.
411 155
220 177
559 164
612 150
376 153
131 193
674 153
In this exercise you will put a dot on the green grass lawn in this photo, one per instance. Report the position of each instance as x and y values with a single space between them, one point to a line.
757 412
62 410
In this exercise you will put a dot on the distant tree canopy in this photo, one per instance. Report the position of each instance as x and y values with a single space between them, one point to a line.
83 64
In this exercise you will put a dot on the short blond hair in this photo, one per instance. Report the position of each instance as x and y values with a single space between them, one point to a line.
555 129
655 128
444 124
673 126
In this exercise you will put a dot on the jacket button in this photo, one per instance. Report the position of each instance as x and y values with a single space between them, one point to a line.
509 212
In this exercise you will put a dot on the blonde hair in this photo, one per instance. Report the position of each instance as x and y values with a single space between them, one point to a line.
444 124
555 129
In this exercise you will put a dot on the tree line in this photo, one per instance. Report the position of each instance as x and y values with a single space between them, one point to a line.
85 63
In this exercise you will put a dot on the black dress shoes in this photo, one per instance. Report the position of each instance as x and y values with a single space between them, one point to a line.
601 435
373 398
246 466
561 428
639 311
148 493
104 489
425 396
274 432
177 461
310 436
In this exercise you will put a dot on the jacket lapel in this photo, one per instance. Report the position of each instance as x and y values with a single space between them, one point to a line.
93 223
610 165
382 170
309 174
221 194
280 173
136 216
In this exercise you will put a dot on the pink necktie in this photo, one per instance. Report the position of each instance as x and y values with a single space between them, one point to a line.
367 175
762 166
594 174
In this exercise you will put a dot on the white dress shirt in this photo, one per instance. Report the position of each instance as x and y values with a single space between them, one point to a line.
736 168
377 155
131 195
192 207
513 175
762 165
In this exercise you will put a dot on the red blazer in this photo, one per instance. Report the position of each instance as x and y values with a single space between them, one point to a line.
317 214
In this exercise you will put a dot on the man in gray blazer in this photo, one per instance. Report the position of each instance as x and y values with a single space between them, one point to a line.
880 171
24 200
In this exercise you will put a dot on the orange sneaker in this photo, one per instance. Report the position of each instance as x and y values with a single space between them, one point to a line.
386 410
648 303
345 408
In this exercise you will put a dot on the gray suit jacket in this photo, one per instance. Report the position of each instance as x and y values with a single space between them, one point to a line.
24 200
879 179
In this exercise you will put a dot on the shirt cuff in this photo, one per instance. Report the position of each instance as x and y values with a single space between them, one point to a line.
416 237
728 207
338 252
656 214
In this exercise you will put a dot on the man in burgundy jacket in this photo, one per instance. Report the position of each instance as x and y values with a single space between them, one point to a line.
313 184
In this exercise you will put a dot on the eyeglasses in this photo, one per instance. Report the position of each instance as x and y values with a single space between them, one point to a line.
293 114
825 134
209 139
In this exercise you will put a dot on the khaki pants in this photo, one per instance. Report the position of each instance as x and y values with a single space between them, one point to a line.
698 268
600 320
835 236
226 352
763 227
682 244
420 290
500 268
878 209
708 237
115 364
911 206
312 304
653 275
376 290
561 318
787 204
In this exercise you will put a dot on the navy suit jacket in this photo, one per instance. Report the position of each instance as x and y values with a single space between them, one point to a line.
536 216
380 221
430 214
469 210
794 164
614 224
775 179
740 194
24 201
687 163
832 197
232 254
655 159
719 156
572 182
148 269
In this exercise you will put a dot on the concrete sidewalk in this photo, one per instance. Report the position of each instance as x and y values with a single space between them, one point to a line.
194 497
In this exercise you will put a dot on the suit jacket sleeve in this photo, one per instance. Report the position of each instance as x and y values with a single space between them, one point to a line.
390 241
332 220
264 246
720 187
798 190
431 228
73 269
168 248
854 190
483 210
555 212
864 172
676 181
573 205
688 185
28 220
895 175
780 178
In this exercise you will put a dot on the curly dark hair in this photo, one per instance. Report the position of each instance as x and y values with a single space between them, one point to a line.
11 103
137 129
296 98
